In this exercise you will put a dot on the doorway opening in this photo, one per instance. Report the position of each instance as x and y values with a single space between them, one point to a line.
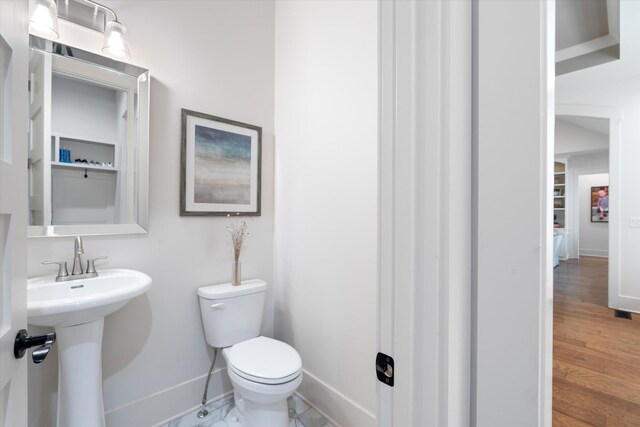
584 327
581 188
596 346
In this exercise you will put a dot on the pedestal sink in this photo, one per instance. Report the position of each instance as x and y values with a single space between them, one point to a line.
76 309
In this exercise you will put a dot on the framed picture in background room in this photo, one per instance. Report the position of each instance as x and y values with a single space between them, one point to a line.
220 166
600 204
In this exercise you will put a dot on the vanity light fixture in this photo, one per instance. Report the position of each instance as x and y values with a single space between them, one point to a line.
115 34
44 19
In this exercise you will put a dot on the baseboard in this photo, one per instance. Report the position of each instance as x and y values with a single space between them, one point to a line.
332 404
626 303
167 404
163 406
594 252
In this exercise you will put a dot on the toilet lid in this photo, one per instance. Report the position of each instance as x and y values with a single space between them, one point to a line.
264 360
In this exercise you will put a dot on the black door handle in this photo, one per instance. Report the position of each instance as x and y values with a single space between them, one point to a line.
24 341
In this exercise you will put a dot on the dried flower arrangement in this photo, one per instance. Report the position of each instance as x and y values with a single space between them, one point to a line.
239 231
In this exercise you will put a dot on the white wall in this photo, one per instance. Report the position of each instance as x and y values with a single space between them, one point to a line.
594 236
217 58
326 181
82 110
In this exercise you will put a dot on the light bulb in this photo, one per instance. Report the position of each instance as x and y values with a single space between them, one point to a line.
44 19
115 40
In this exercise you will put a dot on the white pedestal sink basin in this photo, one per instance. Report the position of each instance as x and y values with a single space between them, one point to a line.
76 309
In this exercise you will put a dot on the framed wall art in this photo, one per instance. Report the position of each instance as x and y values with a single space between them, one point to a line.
220 166
600 204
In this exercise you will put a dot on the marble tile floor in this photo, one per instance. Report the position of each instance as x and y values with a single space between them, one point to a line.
300 415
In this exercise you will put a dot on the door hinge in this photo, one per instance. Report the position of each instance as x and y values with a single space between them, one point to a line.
384 369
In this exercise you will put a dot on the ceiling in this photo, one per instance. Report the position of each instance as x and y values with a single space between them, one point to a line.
587 33
579 21
611 73
600 126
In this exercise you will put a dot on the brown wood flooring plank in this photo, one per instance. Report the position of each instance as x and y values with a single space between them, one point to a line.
562 420
596 377
593 407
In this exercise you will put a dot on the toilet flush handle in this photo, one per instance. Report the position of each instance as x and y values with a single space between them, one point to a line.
218 306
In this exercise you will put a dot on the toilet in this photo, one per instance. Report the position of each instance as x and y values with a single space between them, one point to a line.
264 372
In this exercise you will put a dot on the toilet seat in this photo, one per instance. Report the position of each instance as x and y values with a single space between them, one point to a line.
264 360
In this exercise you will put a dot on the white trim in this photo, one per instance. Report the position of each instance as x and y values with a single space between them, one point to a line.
328 400
603 253
593 111
96 75
615 116
573 205
386 143
548 125
163 406
455 231
627 303
85 230
14 111
424 211
613 18
169 403
586 47
315 408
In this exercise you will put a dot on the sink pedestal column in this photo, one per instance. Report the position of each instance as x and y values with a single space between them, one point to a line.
80 375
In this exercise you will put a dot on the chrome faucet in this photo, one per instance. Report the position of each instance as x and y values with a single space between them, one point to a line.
78 251
77 272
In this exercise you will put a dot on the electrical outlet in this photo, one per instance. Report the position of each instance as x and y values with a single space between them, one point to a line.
634 221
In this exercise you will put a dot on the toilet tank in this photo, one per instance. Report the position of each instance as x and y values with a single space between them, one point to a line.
232 314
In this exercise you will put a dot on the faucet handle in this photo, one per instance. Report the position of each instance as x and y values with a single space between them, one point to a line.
62 268
91 267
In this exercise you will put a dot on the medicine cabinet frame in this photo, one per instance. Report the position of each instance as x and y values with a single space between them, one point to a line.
73 63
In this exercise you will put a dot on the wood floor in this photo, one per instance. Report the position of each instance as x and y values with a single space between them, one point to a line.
596 357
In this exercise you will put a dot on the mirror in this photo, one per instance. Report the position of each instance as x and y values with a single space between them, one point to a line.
88 143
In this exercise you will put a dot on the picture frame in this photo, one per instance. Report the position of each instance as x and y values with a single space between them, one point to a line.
221 166
599 204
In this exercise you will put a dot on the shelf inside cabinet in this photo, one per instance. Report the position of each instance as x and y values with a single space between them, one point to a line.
559 194
83 149
83 166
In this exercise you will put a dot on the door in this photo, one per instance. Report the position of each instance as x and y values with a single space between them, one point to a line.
13 207
424 212
39 162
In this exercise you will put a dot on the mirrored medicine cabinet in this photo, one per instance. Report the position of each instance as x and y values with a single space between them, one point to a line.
88 143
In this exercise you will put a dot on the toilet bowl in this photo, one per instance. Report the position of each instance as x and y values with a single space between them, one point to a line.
264 372
262 384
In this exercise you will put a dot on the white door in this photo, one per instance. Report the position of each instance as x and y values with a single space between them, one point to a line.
424 212
40 138
13 208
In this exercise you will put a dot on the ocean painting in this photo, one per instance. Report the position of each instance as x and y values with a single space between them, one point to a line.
222 170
